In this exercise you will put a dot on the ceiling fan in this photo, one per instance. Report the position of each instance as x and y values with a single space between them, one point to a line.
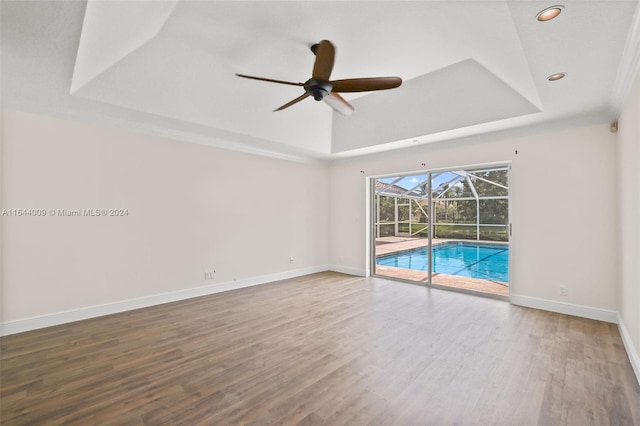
322 89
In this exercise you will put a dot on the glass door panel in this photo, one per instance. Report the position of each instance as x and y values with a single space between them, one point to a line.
468 248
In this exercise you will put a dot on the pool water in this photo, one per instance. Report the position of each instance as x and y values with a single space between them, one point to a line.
474 260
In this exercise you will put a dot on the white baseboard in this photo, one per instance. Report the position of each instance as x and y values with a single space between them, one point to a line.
348 270
58 318
632 352
565 308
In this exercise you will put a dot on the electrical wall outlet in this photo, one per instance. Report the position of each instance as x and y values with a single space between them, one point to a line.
291 259
563 291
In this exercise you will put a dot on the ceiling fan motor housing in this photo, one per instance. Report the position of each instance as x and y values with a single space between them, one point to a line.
318 88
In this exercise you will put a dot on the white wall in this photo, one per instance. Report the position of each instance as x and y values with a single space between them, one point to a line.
191 208
194 208
556 177
629 194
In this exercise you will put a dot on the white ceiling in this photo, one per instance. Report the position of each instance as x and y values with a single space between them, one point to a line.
168 67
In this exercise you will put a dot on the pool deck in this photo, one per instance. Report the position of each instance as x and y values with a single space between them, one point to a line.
389 245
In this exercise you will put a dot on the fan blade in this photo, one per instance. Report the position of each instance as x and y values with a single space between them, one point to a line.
270 80
338 103
325 55
365 84
295 101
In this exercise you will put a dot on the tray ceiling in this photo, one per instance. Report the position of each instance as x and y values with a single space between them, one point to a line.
169 67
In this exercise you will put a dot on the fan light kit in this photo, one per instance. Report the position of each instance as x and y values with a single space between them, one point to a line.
557 76
322 89
549 13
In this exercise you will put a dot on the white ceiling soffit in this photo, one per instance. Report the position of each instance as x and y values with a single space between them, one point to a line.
460 95
111 31
167 67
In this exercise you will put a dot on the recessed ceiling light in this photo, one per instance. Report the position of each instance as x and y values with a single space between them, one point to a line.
557 76
549 13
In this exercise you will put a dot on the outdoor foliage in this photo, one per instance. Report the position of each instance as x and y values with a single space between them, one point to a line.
453 231
455 209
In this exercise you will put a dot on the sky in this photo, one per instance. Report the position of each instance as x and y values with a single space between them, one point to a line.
409 182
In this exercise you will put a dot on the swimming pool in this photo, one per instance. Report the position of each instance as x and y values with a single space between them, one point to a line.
466 259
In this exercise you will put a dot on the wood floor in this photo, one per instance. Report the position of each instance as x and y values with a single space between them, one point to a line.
323 349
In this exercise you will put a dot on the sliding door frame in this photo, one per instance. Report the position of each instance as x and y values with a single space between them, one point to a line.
372 212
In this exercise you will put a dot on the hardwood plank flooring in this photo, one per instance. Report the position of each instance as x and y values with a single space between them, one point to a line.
317 350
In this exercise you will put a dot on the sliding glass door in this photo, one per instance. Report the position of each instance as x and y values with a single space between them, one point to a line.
447 228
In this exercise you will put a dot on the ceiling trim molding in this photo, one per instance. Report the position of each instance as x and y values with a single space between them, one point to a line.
628 68
492 135
224 141
211 141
